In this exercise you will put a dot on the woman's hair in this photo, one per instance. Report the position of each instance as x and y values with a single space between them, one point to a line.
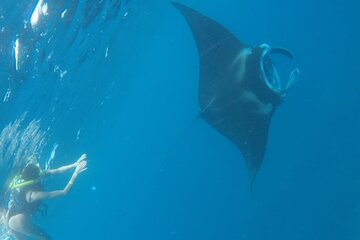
31 172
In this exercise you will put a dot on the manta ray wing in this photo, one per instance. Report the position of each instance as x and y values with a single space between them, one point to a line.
217 47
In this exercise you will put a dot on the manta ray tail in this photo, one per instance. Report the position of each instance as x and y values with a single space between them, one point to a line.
176 143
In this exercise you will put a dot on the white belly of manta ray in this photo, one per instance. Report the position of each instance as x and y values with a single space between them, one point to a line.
261 107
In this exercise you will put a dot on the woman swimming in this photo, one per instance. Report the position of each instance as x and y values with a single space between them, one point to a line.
27 194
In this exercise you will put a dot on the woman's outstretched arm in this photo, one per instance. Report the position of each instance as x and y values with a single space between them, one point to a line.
67 167
32 196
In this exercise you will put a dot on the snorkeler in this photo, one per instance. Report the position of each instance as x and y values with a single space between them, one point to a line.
27 194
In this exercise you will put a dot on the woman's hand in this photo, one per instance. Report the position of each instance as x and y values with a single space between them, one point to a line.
79 169
81 159
81 166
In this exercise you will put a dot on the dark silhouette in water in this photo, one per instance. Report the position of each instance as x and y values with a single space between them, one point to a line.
239 87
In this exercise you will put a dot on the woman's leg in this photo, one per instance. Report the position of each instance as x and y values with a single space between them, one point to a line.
22 224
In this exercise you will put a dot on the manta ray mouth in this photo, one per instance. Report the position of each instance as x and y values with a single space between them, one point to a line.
271 71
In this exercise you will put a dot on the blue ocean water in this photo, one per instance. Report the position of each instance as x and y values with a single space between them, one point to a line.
119 81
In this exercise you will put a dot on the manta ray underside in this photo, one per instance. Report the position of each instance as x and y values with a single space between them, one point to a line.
239 87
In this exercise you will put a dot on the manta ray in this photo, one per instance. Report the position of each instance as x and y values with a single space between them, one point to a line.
239 87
